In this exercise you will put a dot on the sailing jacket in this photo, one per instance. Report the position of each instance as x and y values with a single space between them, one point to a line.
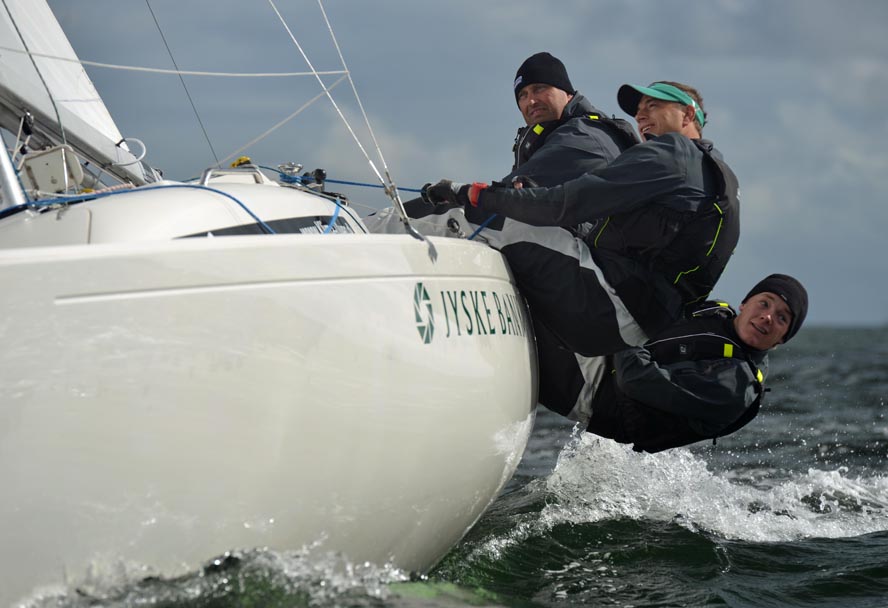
667 214
693 382
582 140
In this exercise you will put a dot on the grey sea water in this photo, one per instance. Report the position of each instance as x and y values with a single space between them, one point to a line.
791 511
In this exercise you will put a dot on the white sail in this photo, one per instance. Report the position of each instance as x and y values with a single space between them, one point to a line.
59 94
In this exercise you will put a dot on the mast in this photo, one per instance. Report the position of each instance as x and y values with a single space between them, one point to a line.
9 183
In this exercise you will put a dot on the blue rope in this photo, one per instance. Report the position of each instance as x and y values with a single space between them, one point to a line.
481 227
268 229
333 219
298 179
93 196
335 181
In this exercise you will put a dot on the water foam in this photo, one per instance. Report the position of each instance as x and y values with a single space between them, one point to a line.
597 479
315 581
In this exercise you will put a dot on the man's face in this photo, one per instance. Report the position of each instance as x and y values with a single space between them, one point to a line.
763 320
656 117
541 103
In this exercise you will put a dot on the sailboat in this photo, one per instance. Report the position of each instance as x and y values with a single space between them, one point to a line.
190 368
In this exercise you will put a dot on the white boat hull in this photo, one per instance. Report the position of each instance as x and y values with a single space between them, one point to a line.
164 402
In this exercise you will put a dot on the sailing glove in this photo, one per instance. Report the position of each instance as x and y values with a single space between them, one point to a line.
446 192
450 192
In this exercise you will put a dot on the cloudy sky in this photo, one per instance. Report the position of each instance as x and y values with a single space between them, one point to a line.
796 92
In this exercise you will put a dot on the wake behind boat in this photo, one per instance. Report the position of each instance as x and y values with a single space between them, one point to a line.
230 363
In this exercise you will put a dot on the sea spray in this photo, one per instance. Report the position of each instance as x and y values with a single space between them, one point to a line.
597 479
259 577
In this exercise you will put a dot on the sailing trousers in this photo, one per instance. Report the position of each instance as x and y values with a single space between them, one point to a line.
568 381
565 289
578 317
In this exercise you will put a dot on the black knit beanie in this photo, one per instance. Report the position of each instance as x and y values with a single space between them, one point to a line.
542 68
792 292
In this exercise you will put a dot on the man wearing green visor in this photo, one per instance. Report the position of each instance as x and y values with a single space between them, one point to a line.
666 215
681 114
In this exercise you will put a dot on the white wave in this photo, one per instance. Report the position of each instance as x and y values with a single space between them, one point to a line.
323 580
597 479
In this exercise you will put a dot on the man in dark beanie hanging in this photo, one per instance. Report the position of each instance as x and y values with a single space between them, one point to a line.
564 137
791 292
700 379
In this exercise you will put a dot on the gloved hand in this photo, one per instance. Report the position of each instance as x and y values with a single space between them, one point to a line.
524 181
445 192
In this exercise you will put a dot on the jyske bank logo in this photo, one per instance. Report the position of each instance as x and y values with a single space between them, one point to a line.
425 317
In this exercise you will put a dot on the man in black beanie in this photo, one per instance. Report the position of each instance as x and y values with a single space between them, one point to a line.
795 299
700 379
546 74
564 137
542 68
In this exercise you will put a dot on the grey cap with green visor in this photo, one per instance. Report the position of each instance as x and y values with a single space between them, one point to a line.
630 95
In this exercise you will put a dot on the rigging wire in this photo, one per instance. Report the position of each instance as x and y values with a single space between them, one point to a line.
136 68
39 73
360 104
182 80
389 185
329 96
280 124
